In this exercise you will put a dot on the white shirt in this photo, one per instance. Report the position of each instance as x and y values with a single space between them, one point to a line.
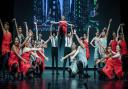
54 41
68 41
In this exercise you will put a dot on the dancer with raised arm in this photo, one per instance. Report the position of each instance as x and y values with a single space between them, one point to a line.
113 64
19 31
41 61
114 42
67 49
80 55
103 39
62 29
54 50
86 43
14 58
6 41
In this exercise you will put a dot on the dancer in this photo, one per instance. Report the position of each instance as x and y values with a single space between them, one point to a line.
19 31
86 40
114 42
122 42
6 41
26 68
54 51
79 54
14 58
62 30
67 49
113 64
95 40
103 40
40 53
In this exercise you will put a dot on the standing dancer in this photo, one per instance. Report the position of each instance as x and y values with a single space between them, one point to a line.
103 41
122 42
67 49
123 51
86 40
19 31
54 51
114 42
96 46
7 37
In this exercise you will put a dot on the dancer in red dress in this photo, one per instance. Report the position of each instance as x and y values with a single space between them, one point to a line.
113 43
122 42
40 53
62 29
26 67
7 37
113 64
86 40
13 61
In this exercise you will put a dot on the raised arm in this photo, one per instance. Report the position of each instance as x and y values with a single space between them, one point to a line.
109 24
78 39
27 38
2 25
88 33
26 26
118 32
15 22
121 25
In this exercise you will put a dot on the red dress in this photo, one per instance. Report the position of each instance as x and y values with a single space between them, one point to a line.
113 65
87 49
13 59
42 57
6 42
123 46
63 25
25 66
113 45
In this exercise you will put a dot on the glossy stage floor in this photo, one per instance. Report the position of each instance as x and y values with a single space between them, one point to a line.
52 80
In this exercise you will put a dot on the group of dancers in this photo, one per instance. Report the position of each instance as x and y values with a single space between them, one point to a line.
26 56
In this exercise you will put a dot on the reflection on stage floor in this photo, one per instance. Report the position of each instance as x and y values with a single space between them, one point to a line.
53 80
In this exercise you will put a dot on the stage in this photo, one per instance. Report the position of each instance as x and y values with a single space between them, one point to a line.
52 80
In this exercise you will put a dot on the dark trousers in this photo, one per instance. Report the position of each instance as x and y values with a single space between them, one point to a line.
55 57
67 50
5 61
61 40
124 59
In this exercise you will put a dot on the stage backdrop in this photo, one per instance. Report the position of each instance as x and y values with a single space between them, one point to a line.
81 13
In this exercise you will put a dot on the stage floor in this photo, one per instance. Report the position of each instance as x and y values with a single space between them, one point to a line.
52 80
